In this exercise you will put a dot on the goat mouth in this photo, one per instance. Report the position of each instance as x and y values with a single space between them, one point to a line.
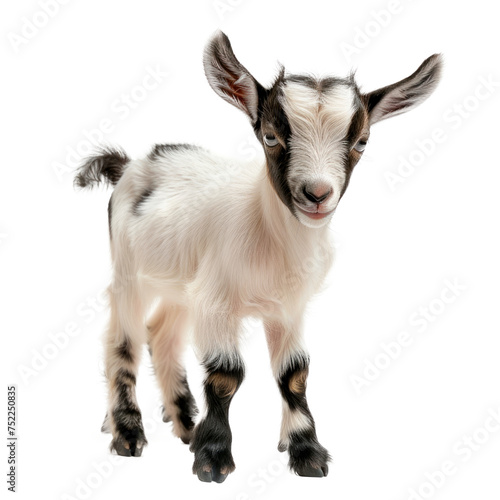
314 213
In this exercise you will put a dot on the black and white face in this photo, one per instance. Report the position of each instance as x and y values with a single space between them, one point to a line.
313 131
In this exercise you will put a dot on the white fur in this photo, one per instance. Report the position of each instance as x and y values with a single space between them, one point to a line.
215 239
215 242
292 421
319 122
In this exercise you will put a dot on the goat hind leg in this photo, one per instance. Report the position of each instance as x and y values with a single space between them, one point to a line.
124 339
167 338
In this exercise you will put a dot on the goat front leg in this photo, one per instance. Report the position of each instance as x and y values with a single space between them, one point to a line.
216 345
290 363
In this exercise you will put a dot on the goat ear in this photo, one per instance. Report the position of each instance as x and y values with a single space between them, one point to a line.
406 94
229 78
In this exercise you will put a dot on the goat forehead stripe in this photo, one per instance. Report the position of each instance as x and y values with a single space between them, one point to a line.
327 112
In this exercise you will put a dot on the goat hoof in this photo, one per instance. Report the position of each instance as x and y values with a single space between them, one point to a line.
131 446
308 458
105 425
207 476
215 473
213 464
204 476
309 471
282 447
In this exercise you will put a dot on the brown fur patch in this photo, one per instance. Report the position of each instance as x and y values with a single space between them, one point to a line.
224 385
297 382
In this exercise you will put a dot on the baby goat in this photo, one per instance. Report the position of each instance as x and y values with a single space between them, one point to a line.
258 246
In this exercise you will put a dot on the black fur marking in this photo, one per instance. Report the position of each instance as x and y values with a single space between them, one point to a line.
107 166
125 395
142 198
187 409
124 351
326 84
110 211
161 150
125 376
307 80
320 84
129 438
358 123
307 456
212 436
295 400
128 431
226 366
272 114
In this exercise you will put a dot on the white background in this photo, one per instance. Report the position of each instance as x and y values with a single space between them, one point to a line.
396 247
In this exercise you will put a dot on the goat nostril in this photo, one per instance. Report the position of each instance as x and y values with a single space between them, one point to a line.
318 195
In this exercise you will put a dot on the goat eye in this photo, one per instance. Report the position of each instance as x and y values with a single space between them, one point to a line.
270 140
360 146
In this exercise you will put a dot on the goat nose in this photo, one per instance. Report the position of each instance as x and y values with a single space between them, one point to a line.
317 194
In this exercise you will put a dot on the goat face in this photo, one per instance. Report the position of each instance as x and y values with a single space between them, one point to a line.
313 131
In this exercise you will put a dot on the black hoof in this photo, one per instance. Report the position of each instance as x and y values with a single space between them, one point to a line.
184 424
131 448
129 445
204 476
212 475
212 463
309 471
307 457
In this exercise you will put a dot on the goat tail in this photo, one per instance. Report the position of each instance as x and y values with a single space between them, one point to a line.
106 165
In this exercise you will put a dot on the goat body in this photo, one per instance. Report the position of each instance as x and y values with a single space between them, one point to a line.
208 241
